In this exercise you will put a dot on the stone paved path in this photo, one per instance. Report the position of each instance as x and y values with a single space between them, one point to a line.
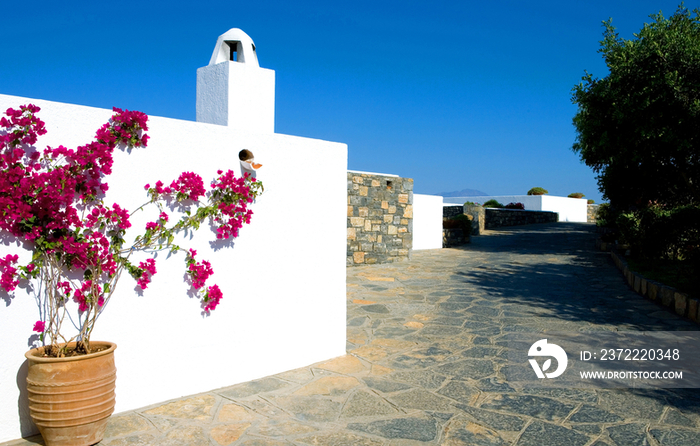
425 352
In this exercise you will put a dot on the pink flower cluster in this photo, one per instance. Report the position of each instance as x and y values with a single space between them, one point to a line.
8 281
233 195
85 296
188 186
199 271
212 298
149 269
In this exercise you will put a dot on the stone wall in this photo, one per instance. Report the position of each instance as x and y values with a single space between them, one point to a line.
454 237
380 218
592 213
452 211
496 218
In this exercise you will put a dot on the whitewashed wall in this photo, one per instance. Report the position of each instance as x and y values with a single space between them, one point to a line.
283 280
569 209
427 221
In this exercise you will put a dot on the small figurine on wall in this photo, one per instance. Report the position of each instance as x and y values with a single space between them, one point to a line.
248 163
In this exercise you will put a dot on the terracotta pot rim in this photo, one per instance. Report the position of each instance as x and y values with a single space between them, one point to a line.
35 353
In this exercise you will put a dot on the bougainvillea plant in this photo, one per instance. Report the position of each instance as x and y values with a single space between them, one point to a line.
53 201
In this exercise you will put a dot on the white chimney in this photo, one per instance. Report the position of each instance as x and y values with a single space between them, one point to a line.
233 90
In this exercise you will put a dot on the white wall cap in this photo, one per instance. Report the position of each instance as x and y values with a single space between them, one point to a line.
373 173
245 48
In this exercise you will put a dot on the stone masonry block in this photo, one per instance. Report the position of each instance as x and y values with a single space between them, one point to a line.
643 288
392 230
385 205
392 209
652 290
693 309
352 234
681 303
364 190
357 221
403 198
637 283
363 212
357 179
375 183
358 257
408 211
368 225
376 228
388 218
666 295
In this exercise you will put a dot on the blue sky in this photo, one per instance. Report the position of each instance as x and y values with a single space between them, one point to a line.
454 94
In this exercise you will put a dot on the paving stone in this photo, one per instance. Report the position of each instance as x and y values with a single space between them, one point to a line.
346 364
385 386
468 369
310 409
675 417
276 427
421 399
539 433
376 308
186 436
480 352
421 429
538 407
125 425
492 384
459 391
225 434
195 408
339 439
131 440
329 385
494 420
465 433
633 404
254 388
234 412
366 404
675 436
591 414
629 434
425 379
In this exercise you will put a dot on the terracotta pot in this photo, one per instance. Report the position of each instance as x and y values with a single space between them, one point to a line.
70 399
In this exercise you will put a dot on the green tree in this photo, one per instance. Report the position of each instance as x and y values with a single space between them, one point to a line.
638 128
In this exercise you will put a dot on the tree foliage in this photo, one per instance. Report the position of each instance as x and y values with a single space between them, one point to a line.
638 128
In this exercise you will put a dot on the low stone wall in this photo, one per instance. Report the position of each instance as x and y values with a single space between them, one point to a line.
452 211
380 218
454 237
680 303
497 218
592 213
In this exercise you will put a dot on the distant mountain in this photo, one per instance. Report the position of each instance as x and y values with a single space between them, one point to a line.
463 193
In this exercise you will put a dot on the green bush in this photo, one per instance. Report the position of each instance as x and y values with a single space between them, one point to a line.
493 204
461 221
576 195
471 203
537 191
590 201
656 232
